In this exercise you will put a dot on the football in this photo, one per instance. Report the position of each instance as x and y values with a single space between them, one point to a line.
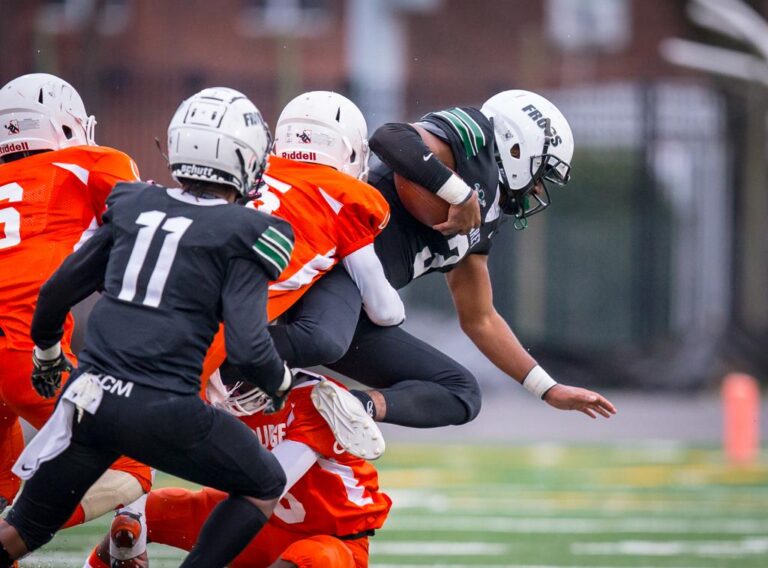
421 203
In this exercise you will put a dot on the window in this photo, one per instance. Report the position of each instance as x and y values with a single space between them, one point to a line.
70 16
295 17
575 25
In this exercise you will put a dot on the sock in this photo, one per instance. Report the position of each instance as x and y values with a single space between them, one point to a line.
77 518
229 528
366 401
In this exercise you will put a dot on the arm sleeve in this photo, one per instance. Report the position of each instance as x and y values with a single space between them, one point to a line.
112 168
381 301
400 147
81 274
244 311
295 458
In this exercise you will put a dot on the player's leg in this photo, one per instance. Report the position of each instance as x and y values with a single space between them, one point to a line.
321 551
13 364
415 384
126 481
185 437
50 496
319 328
11 446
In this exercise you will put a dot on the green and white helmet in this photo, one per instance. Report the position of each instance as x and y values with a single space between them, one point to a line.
534 143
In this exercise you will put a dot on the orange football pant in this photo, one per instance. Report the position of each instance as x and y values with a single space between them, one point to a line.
175 517
19 399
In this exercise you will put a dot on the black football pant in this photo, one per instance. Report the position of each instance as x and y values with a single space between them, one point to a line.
423 387
178 434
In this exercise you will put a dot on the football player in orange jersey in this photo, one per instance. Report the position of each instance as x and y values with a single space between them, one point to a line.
54 182
331 504
315 181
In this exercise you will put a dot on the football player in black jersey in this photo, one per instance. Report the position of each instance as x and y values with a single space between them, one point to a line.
505 154
173 263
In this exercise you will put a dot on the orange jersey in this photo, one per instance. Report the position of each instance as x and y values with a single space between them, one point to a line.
339 495
48 202
332 215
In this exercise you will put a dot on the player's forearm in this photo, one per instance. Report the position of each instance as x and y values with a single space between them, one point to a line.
381 301
400 147
499 344
249 345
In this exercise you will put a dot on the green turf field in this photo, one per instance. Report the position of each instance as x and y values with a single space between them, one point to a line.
545 506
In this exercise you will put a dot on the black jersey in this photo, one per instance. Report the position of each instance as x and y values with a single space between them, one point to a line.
409 249
172 267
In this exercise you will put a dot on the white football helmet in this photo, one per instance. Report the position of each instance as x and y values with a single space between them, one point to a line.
534 143
218 136
324 128
42 112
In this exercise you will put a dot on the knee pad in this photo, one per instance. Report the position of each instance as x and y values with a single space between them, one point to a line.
111 490
320 551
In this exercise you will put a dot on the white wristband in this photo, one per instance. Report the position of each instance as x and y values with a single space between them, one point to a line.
48 354
287 378
538 382
454 191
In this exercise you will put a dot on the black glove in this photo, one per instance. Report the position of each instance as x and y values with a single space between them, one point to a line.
46 376
278 398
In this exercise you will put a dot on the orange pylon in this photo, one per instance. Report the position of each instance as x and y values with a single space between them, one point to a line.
741 418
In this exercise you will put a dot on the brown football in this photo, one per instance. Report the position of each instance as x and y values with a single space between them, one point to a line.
424 205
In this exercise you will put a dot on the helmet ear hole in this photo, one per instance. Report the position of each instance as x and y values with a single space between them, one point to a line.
353 157
514 151
67 131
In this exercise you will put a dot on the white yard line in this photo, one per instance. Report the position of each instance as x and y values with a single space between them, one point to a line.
438 548
729 548
575 525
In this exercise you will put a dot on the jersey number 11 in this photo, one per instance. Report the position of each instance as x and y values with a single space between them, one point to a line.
150 222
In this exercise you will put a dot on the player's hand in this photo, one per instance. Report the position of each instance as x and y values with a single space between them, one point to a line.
590 403
46 374
462 218
277 399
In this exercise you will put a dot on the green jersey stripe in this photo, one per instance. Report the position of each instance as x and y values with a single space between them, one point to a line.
470 133
286 243
276 246
460 129
479 134
286 258
269 254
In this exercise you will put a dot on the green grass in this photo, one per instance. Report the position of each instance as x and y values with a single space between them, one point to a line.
647 506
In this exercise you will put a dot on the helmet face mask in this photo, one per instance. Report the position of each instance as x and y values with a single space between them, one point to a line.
323 127
40 111
244 399
534 145
219 136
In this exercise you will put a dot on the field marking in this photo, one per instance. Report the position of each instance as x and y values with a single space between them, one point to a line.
437 548
740 548
575 525
381 565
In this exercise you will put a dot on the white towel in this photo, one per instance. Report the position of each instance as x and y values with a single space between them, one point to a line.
54 437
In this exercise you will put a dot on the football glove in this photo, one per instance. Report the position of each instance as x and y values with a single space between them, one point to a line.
46 375
277 399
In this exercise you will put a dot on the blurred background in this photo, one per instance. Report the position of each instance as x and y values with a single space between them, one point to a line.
649 270
648 275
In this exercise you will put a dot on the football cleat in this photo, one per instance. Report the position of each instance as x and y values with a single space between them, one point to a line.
125 536
354 429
